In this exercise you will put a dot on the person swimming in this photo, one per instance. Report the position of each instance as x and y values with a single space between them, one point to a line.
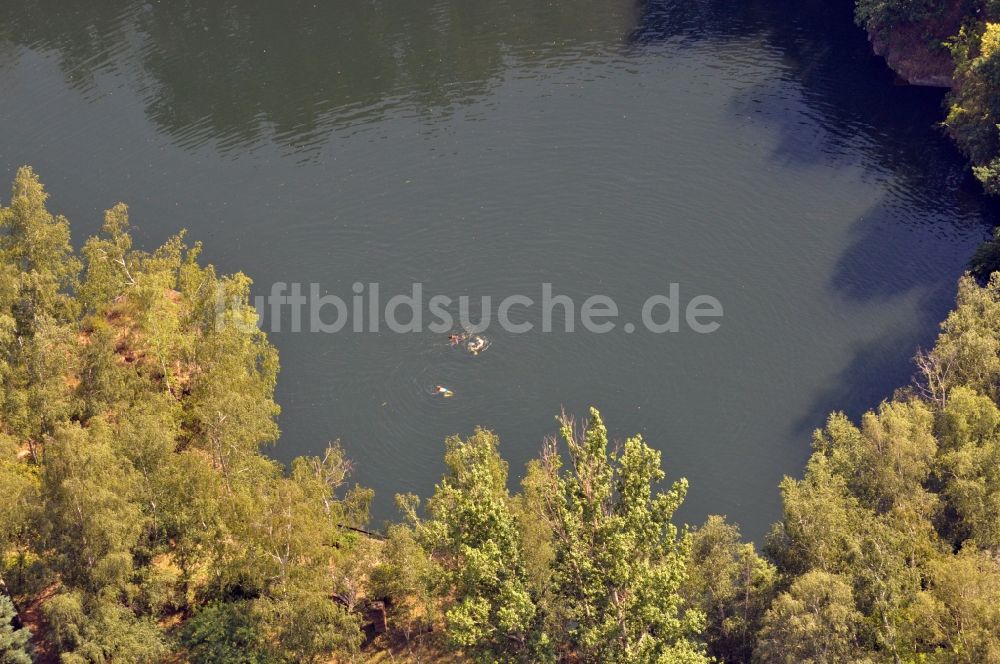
476 345
456 339
442 391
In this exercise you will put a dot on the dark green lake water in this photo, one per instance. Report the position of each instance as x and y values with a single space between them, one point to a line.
752 151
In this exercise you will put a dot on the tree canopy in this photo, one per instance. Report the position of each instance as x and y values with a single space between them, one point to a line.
141 520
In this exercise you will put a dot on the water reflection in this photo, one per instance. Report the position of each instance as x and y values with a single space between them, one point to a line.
237 73
848 90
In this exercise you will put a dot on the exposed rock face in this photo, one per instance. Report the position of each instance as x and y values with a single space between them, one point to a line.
916 51
912 58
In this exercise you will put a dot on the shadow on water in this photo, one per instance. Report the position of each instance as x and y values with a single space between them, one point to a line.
881 366
848 91
861 109
854 98
875 371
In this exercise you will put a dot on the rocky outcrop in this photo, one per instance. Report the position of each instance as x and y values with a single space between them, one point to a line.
912 59
917 51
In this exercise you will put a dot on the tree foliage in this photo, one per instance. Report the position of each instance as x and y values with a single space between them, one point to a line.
902 512
732 585
137 395
134 416
472 534
14 646
619 560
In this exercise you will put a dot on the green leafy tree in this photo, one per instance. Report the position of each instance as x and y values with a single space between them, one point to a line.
968 468
37 272
109 261
956 618
224 633
230 409
986 258
885 14
89 515
19 497
815 622
143 393
310 627
732 585
975 100
861 513
39 268
409 578
93 629
14 646
537 542
619 561
472 532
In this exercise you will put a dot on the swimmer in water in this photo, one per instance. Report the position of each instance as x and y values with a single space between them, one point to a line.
443 391
476 345
456 339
